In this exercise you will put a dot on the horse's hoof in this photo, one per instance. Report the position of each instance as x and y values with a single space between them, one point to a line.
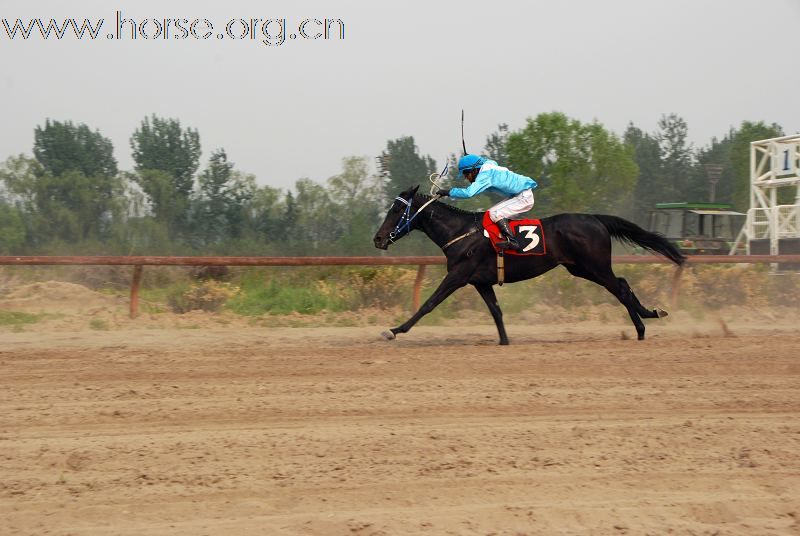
388 335
504 342
661 313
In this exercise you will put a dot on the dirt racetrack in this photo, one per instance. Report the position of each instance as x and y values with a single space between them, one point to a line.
571 430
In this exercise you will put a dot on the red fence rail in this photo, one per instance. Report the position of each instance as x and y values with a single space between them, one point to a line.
139 262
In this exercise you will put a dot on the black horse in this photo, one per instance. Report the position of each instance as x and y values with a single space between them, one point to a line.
581 242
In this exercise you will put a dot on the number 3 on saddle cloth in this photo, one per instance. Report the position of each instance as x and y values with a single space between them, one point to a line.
529 234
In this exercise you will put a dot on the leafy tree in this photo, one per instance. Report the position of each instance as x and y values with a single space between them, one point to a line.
238 196
267 214
671 170
166 158
69 207
359 196
649 185
319 221
579 167
163 145
12 229
159 186
402 166
30 186
19 173
136 231
354 188
290 214
62 147
677 156
223 198
77 179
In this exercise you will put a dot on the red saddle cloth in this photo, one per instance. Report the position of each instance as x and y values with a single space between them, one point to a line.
529 234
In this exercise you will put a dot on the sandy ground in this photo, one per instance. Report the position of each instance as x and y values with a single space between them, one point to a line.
571 430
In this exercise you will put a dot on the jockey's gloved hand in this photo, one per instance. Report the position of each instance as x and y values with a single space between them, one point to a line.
444 192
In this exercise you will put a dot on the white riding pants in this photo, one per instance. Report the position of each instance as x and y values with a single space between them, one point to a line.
515 206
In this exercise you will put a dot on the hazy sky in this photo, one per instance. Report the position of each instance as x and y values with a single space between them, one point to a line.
404 68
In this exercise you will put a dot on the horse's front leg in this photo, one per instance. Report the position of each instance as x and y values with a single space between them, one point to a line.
449 284
487 293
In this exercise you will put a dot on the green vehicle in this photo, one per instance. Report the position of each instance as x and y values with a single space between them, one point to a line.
697 228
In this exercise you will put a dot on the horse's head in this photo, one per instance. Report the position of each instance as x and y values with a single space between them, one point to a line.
397 223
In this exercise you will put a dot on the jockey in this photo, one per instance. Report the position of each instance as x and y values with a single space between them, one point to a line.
485 174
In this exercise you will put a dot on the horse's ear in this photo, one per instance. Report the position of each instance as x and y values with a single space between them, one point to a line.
414 190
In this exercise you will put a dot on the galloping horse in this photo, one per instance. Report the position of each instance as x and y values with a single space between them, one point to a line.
580 242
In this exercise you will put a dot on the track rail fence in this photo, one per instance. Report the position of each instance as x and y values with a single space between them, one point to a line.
421 262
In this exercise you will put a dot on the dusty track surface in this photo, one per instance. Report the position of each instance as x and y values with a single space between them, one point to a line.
332 431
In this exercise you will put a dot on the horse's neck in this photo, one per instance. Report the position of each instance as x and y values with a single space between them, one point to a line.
445 224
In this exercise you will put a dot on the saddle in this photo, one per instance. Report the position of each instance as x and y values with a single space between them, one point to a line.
529 235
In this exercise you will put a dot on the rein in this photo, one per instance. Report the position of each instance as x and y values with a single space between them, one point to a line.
472 231
459 237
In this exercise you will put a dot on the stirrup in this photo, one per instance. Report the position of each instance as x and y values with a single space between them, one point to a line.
506 232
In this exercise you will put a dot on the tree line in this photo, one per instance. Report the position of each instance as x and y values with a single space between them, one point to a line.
70 197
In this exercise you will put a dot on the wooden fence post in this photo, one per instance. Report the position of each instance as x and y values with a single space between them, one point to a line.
137 279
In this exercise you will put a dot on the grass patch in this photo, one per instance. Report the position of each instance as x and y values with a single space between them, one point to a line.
16 318
98 324
274 298
162 294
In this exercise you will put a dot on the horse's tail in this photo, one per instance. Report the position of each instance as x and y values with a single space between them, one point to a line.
631 233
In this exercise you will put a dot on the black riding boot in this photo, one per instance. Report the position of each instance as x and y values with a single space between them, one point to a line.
509 234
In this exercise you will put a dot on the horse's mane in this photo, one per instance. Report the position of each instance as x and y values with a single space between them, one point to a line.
451 208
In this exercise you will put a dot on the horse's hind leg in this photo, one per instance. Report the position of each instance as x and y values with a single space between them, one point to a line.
487 293
607 279
641 309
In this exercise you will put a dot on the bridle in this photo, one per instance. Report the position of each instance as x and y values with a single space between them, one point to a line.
404 223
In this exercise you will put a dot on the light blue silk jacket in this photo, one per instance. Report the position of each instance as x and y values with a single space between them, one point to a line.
497 179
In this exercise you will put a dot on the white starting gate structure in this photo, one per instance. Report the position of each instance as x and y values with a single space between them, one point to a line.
774 167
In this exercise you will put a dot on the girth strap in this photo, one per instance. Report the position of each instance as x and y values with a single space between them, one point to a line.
501 268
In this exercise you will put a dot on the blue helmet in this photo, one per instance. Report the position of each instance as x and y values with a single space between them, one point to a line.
469 162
